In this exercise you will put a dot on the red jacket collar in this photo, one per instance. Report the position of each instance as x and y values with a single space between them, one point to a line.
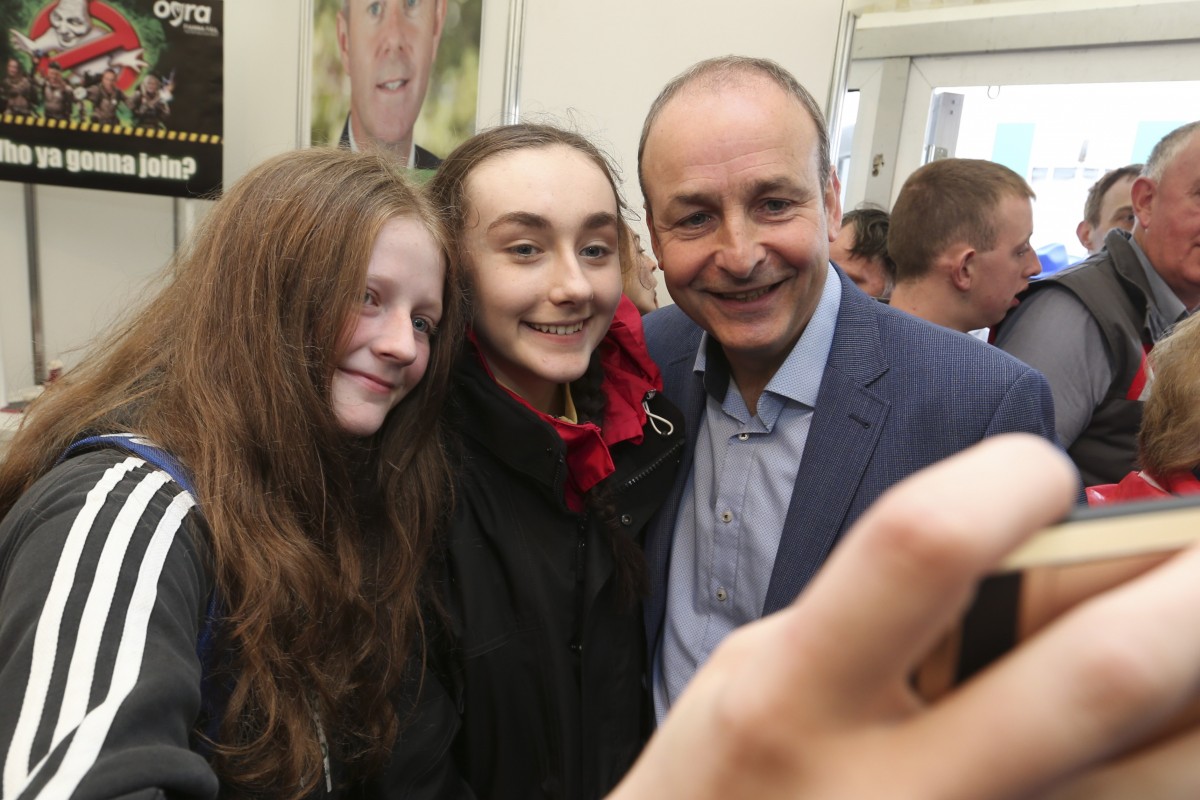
1136 486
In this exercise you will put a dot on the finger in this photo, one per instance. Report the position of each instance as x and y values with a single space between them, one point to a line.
1166 771
1091 684
906 571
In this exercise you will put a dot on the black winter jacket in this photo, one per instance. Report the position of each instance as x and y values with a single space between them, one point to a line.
541 692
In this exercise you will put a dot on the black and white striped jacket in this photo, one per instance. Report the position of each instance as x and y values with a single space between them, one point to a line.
103 585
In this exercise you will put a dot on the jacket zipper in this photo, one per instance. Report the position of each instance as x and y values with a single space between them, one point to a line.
655 464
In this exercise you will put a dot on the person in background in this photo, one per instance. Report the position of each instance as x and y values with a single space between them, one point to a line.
640 283
104 98
239 637
1109 205
1169 439
1088 328
960 237
388 48
150 103
19 95
58 99
861 250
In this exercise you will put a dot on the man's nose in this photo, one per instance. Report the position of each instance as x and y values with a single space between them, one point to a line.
740 251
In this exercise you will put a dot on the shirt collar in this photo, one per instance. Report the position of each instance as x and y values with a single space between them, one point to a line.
799 377
1165 307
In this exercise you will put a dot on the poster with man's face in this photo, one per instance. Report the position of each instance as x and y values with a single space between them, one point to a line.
396 74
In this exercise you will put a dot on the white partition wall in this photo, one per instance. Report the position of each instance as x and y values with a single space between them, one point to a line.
598 66
594 65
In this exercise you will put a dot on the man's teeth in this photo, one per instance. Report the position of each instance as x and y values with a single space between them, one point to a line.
392 86
560 330
744 296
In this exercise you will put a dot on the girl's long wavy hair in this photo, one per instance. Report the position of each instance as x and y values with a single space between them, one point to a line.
448 190
319 541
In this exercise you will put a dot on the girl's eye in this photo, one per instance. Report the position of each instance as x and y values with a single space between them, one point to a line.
424 325
594 251
370 298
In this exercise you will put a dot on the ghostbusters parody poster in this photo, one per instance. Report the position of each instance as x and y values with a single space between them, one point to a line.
123 95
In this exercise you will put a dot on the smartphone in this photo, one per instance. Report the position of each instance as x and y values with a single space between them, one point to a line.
1094 549
1112 531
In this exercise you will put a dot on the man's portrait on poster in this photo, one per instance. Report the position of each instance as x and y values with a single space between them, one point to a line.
395 74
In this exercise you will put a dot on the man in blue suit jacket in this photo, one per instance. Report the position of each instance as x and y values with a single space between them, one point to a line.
804 398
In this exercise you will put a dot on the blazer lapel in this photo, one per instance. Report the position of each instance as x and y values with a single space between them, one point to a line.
686 390
845 430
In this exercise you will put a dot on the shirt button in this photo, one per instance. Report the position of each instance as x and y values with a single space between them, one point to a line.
722 595
726 516
626 519
743 437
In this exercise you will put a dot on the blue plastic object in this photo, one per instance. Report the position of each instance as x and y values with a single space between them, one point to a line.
1053 258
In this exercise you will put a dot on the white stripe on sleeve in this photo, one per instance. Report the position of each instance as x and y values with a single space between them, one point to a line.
89 737
45 641
91 728
95 611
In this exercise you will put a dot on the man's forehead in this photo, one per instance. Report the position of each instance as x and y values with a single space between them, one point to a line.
1016 208
705 94
1185 164
1119 191
702 131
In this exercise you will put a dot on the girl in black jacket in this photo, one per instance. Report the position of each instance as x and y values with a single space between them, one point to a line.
566 453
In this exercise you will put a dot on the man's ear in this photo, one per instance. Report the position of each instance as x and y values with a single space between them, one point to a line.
343 40
439 22
1141 194
1084 232
833 205
961 264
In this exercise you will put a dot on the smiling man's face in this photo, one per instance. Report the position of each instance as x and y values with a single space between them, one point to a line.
740 218
387 49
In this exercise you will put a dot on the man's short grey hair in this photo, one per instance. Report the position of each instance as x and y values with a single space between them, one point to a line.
1167 148
723 71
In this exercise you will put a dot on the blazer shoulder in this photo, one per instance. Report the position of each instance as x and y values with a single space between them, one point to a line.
671 335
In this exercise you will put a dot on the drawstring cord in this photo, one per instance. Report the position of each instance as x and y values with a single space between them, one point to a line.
655 419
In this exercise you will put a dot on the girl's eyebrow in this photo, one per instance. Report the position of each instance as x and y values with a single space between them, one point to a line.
527 219
601 219
524 218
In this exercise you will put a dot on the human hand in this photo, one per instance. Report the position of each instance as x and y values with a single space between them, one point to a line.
816 701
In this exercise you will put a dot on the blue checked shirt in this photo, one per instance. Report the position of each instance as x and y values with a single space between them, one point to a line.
737 496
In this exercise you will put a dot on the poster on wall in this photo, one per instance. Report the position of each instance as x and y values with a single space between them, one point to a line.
396 74
125 95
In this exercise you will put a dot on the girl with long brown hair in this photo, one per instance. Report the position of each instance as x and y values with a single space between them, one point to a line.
566 451
294 365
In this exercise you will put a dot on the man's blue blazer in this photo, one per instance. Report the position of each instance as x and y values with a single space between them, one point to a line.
898 394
